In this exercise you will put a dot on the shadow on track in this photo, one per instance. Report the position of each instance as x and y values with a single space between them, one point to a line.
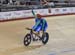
20 49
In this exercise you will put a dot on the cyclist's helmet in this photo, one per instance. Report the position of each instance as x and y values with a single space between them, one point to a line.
38 16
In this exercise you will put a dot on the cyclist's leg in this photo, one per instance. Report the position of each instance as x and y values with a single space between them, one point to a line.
37 30
45 28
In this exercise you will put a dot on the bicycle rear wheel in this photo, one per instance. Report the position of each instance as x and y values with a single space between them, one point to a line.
45 38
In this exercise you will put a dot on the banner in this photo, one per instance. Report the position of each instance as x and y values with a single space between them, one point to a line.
28 13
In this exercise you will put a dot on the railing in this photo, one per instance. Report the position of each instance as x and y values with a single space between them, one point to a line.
6 7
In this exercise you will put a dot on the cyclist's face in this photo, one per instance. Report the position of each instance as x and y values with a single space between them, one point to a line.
38 16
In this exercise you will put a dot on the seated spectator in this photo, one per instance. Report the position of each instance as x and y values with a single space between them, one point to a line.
51 4
22 3
17 3
5 2
47 4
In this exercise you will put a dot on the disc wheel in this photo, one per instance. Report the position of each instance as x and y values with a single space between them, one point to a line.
45 38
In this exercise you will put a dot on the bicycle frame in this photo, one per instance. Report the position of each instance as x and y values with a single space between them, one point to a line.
32 33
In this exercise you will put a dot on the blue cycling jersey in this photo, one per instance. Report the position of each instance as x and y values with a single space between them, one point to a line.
40 24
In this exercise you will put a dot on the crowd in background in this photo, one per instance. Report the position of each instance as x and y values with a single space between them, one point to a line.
36 4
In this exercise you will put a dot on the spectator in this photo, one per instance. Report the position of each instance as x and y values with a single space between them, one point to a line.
0 9
17 3
4 2
51 4
0 1
22 3
47 4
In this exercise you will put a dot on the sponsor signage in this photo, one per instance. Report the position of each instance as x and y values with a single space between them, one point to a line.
28 13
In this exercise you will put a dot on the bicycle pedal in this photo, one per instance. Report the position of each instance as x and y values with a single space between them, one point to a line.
35 39
40 38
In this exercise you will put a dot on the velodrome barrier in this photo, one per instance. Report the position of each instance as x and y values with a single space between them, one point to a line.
25 14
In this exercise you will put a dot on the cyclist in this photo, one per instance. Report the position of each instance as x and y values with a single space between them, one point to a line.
40 24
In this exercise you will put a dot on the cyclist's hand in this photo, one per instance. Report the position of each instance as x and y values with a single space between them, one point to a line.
27 28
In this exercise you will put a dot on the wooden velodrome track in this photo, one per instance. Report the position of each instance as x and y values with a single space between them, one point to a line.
61 41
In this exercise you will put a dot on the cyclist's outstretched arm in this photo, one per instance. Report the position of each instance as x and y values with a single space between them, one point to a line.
34 14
